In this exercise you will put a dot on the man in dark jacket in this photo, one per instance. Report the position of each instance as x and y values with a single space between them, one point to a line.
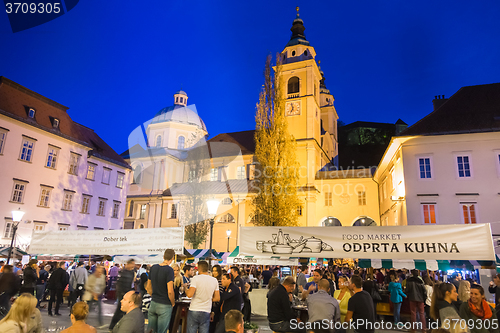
57 283
123 285
30 275
279 310
415 290
9 286
495 289
133 320
41 284
230 299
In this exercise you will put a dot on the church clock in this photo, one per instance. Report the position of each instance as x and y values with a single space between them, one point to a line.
292 108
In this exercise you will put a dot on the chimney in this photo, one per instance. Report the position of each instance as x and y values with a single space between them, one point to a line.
438 101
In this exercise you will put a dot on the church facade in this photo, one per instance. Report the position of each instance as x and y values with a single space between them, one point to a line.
176 169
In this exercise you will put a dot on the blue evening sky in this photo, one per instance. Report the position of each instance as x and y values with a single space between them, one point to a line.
115 63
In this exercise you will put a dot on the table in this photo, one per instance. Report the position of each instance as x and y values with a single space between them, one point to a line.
302 311
181 315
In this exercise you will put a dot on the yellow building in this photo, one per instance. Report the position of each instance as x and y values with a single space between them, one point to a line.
172 179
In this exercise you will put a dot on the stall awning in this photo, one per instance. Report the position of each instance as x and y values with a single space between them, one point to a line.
432 265
16 252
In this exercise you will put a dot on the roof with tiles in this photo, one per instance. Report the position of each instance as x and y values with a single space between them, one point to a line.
16 100
471 109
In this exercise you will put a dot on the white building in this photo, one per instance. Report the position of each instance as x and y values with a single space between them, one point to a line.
60 173
445 169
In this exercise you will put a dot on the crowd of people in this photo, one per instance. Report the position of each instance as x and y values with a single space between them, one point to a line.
341 296
141 292
336 294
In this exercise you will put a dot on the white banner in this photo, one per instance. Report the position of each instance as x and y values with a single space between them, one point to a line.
435 242
242 260
110 242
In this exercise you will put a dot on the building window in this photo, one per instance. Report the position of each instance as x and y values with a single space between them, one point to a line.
182 99
31 113
55 123
85 204
39 227
299 210
128 225
44 196
328 199
74 160
102 206
192 175
52 157
131 209
293 85
469 212
180 142
142 225
116 209
91 171
18 192
119 179
3 137
143 212
106 174
240 172
8 232
227 218
63 227
68 197
27 150
463 164
393 179
361 198
137 174
214 174
429 213
158 141
227 201
173 212
424 166
384 189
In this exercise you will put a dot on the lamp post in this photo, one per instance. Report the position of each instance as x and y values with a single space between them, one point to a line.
228 233
212 206
17 216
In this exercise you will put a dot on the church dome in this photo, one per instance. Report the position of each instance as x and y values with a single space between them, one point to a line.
179 113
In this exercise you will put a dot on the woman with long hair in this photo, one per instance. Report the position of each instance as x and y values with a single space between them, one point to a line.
23 316
397 295
273 283
216 273
177 287
343 294
478 314
442 308
463 291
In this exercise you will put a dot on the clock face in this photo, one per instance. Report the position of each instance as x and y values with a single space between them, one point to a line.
292 108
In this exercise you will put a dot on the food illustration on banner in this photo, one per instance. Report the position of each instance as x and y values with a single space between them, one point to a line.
282 244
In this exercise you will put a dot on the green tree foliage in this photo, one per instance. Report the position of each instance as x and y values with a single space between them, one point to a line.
277 170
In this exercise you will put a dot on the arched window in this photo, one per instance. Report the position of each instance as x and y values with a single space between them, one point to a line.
227 201
158 141
364 221
137 174
180 142
141 226
228 218
293 85
131 209
331 221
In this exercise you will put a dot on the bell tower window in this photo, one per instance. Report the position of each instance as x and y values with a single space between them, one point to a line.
293 85
158 141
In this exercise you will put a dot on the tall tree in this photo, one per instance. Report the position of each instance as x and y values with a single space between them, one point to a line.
276 173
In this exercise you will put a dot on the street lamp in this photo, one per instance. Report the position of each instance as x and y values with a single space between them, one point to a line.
212 206
228 233
17 216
